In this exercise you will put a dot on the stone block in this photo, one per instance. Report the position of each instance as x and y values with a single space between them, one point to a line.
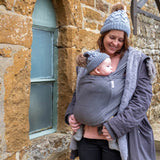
79 38
68 37
158 68
102 6
5 52
99 27
158 96
156 126
113 1
7 3
154 101
66 80
156 88
24 7
67 65
46 148
153 113
88 39
88 2
13 157
91 14
61 13
76 14
90 25
68 12
15 29
16 101
0 144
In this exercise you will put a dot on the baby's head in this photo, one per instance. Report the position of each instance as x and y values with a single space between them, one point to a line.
97 63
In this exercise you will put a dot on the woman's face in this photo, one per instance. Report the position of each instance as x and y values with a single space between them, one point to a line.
113 41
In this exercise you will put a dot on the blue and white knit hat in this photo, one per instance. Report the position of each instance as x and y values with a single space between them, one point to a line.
94 59
118 20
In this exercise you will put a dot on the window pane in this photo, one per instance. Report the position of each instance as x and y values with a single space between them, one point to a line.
42 54
44 14
40 113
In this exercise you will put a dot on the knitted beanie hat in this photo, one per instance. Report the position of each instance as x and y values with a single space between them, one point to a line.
94 59
118 20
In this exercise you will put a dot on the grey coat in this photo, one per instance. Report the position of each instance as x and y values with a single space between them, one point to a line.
132 120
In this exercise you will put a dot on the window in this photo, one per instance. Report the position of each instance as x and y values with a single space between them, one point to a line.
43 96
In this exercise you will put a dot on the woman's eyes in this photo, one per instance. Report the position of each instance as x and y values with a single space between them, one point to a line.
111 37
120 40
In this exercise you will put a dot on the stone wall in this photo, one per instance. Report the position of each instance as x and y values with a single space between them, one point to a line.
15 51
79 22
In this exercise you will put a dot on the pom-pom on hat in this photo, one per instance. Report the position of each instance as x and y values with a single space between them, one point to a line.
117 20
94 59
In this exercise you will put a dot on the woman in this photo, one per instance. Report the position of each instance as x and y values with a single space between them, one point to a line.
130 125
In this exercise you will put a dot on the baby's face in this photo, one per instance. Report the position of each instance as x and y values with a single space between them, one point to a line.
105 67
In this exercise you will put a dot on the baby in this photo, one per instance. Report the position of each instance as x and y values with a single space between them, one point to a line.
95 62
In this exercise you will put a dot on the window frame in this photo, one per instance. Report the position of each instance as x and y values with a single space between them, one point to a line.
33 135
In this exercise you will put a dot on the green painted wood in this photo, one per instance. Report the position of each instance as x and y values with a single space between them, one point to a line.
44 61
44 14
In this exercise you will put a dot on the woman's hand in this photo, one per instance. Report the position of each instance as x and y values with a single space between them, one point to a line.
73 123
106 134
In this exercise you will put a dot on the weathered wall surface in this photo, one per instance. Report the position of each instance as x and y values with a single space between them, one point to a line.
15 58
79 22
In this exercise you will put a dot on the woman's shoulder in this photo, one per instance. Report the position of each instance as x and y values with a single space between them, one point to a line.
136 53
138 56
147 62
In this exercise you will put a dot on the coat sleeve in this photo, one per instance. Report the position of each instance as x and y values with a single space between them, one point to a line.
69 110
136 111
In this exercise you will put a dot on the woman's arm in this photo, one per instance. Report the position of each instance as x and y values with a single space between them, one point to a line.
69 116
137 108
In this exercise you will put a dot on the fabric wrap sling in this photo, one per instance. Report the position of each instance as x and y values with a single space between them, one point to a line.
98 97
